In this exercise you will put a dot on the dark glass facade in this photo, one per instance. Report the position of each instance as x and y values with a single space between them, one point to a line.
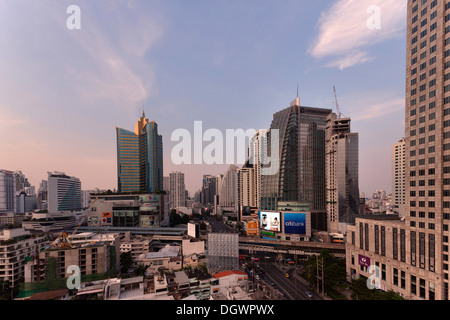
301 176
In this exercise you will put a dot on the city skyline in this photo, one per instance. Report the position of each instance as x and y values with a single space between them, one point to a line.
100 78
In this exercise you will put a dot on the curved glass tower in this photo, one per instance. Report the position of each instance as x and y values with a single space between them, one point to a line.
140 158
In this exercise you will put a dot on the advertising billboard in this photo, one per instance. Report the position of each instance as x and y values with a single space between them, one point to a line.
269 221
252 228
294 223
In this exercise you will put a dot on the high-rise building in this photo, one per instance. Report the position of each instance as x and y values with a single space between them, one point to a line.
227 187
42 195
7 191
208 190
341 174
301 175
64 193
140 158
247 186
177 189
256 150
166 184
412 252
21 181
398 177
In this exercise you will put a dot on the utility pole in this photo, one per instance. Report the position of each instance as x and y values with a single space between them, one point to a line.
321 277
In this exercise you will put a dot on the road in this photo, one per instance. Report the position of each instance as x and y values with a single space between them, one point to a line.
292 287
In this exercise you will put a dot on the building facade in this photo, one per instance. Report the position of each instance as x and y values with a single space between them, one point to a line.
341 174
415 256
7 191
398 177
301 175
140 158
17 246
64 193
177 190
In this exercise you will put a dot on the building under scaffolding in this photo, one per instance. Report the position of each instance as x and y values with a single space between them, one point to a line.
223 252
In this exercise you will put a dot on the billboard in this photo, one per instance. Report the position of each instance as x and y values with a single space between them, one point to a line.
269 221
252 227
294 223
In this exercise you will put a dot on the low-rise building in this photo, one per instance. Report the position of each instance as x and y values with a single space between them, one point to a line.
168 258
16 247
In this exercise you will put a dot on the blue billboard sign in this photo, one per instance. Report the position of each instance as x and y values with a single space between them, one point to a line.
295 223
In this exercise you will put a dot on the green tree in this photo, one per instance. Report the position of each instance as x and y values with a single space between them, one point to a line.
126 261
335 274
141 268
360 291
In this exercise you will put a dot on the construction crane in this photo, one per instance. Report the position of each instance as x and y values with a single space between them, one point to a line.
62 241
337 104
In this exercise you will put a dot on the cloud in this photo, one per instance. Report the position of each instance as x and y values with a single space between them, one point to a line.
343 31
370 105
120 72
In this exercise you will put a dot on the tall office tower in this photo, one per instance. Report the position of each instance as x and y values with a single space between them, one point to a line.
177 196
228 189
412 253
256 150
7 191
166 184
208 190
341 174
140 158
247 194
42 195
398 177
301 175
21 181
64 193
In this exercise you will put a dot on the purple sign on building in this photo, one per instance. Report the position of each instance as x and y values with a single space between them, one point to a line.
364 261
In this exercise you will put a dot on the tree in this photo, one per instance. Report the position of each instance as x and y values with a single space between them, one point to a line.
141 268
126 260
335 274
360 291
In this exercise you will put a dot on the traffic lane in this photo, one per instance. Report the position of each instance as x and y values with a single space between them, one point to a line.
296 288
293 289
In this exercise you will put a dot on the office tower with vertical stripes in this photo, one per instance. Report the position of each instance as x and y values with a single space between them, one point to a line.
140 158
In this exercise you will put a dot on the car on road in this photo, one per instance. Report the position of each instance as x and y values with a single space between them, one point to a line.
309 294
287 275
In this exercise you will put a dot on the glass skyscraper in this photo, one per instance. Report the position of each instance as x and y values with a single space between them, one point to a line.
301 176
140 158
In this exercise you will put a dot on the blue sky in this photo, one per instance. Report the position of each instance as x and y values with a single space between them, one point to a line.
230 64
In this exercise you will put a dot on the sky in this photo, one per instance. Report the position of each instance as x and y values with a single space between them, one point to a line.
230 64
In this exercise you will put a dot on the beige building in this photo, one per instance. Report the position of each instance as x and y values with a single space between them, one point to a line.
398 177
402 255
421 241
16 247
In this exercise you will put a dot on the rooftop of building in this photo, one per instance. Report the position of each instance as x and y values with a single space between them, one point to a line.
166 252
50 295
378 217
228 273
